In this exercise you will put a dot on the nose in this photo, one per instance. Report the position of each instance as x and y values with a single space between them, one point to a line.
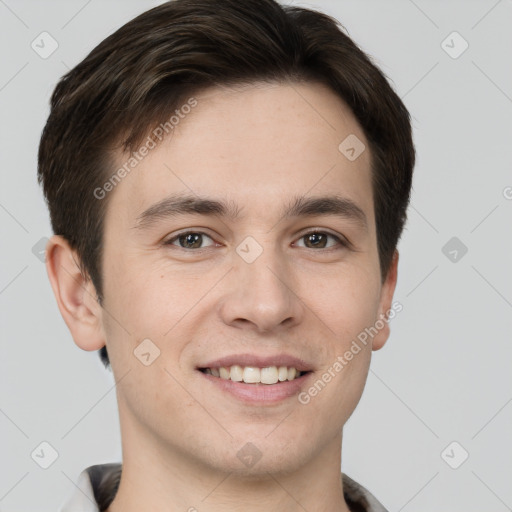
262 296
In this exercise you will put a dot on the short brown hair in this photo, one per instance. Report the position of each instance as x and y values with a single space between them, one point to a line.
137 76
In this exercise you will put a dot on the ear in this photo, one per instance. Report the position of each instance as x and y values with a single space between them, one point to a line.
385 304
75 294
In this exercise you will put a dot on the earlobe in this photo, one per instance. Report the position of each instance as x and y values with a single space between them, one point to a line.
386 299
75 294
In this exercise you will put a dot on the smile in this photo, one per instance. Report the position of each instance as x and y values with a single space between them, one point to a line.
253 375
255 392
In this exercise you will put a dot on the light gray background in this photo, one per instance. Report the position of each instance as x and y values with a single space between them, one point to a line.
444 374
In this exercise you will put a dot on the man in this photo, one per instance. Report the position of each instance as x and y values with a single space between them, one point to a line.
227 183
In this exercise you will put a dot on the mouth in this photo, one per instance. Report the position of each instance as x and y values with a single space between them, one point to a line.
269 375
257 386
257 379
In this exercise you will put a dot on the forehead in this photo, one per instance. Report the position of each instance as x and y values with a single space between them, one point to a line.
259 145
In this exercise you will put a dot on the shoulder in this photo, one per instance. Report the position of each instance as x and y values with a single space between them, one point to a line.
358 498
95 488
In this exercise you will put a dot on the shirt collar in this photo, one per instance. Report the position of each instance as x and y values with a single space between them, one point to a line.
99 483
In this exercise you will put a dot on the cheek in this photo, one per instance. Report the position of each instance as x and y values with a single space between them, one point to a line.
151 396
349 309
148 314
347 302
346 305
140 312
142 296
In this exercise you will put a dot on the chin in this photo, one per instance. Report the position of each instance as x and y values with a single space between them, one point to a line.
253 457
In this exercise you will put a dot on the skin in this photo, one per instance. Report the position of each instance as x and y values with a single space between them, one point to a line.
256 146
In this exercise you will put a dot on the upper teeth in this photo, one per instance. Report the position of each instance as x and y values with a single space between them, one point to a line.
254 375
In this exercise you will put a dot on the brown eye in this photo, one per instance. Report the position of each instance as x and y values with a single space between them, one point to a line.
319 240
189 240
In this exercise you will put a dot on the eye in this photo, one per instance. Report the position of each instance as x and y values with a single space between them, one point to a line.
189 240
318 240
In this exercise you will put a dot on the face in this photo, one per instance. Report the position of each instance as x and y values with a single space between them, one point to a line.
269 277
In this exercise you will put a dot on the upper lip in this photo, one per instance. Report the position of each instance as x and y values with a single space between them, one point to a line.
259 361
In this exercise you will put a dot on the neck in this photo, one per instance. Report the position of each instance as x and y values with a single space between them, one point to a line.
164 478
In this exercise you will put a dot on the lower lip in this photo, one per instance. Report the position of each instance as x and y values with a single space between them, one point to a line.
260 394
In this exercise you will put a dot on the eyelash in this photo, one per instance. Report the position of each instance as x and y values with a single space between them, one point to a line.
343 243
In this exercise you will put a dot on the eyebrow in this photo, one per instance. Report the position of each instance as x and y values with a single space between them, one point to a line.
299 206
